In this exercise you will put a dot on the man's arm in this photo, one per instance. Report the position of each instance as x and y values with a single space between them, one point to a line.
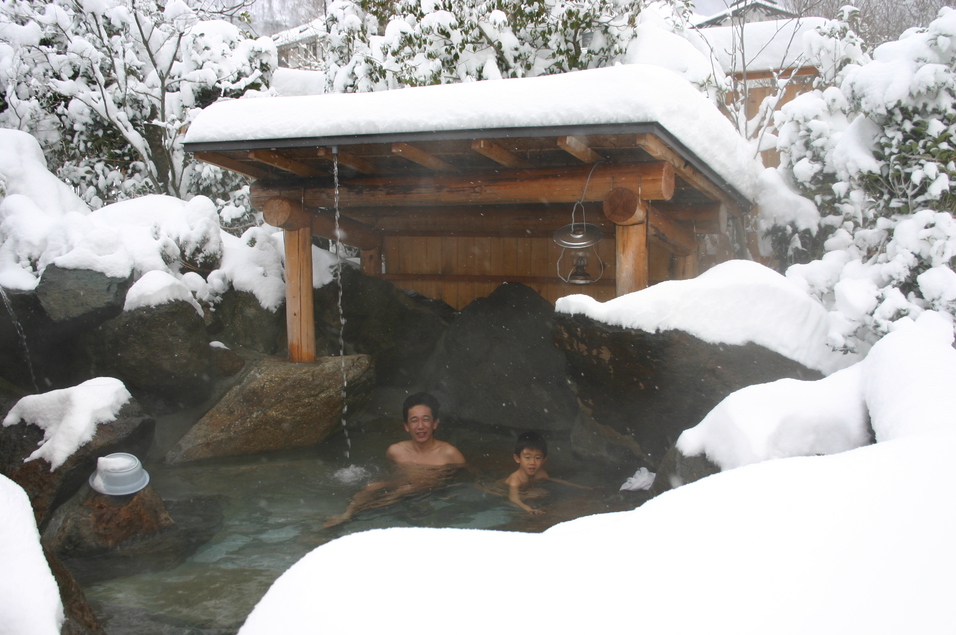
563 482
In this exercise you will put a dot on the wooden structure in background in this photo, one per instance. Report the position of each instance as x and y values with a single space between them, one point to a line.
453 214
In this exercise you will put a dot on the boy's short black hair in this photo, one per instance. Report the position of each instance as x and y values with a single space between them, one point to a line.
420 399
532 440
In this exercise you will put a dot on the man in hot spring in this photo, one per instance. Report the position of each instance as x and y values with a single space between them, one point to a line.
425 462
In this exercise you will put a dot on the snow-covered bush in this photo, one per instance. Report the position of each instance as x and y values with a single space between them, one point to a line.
377 45
873 235
108 88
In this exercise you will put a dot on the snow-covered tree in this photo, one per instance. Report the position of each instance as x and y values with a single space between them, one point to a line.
375 45
108 87
874 159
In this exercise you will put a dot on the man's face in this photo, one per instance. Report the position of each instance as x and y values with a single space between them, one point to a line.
420 424
530 461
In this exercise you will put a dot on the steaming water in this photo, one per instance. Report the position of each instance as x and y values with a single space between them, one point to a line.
23 338
273 508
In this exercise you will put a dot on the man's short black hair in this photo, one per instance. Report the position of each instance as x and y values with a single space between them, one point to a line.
420 399
531 440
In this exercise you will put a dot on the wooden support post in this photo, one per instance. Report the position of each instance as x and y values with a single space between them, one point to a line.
300 318
372 261
685 267
631 252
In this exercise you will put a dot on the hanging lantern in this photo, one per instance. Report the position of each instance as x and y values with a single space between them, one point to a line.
579 242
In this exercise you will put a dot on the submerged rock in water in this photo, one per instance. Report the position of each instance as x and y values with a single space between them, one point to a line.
278 406
498 364
650 387
131 431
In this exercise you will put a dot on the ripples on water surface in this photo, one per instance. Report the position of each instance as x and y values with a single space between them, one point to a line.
272 510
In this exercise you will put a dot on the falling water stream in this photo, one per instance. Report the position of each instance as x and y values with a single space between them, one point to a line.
23 338
338 278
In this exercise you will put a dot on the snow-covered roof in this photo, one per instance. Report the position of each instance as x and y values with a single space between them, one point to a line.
616 96
760 46
301 33
752 9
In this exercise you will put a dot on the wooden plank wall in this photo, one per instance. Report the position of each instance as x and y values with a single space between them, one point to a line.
505 257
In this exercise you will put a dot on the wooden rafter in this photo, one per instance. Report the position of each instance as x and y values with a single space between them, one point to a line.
232 164
277 160
659 150
676 236
489 149
348 159
578 148
422 158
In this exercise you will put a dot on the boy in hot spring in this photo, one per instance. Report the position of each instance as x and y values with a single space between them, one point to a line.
531 451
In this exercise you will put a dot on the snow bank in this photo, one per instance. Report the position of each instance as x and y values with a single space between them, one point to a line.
910 376
29 597
781 419
42 223
68 417
629 94
156 288
736 302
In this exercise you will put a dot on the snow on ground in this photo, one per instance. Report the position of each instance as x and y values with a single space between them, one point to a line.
634 93
69 416
29 597
42 223
736 302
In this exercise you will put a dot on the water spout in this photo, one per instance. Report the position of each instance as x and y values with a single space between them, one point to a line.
23 338
338 279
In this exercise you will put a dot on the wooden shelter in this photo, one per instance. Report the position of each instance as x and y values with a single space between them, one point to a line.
453 213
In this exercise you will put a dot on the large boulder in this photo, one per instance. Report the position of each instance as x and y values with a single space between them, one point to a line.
81 295
158 352
36 353
399 329
497 364
100 522
277 406
650 387
240 320
131 431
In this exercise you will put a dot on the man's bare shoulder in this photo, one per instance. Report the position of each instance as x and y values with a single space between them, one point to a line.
399 452
450 453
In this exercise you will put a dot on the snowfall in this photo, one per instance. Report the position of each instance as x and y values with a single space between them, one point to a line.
833 512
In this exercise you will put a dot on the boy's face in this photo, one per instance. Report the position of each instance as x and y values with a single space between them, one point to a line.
530 461
420 424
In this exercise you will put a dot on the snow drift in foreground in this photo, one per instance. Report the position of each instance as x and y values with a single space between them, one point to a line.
29 597
736 302
855 542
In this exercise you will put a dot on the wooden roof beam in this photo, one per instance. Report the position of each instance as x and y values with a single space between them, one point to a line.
245 169
422 158
659 150
289 214
491 150
623 207
654 180
347 159
578 148
276 160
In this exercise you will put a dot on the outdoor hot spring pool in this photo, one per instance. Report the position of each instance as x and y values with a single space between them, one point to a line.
263 513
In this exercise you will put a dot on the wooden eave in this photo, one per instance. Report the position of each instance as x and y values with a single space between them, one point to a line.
306 162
